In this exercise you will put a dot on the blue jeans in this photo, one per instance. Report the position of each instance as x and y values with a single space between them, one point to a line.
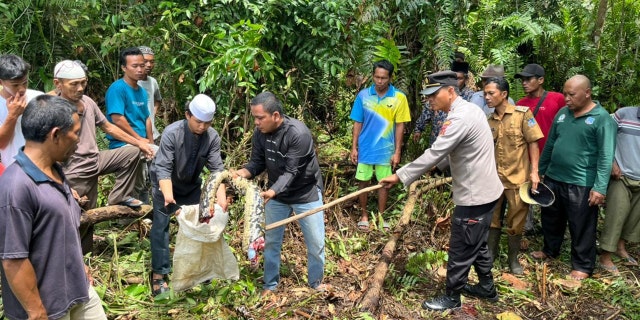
313 231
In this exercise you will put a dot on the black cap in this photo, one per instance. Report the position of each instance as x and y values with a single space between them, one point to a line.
438 80
531 70
460 67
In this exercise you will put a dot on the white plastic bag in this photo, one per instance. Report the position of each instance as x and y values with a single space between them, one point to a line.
201 253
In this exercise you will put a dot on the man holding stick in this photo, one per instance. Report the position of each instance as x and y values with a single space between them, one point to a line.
283 147
466 143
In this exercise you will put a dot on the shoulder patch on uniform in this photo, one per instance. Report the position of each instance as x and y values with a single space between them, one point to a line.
531 122
443 129
522 108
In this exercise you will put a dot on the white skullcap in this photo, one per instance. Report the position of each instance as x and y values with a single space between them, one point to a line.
67 69
202 107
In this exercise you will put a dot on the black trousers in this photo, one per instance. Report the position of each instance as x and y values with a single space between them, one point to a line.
572 207
468 244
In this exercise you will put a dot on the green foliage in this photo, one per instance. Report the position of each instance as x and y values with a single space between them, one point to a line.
419 263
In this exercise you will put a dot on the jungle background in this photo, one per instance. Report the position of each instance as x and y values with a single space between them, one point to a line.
316 55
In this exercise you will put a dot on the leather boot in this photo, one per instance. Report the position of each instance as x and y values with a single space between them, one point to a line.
493 242
451 300
514 249
485 289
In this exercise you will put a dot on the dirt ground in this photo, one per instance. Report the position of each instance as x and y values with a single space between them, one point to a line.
522 296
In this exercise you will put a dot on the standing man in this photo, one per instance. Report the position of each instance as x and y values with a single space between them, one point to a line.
283 147
186 147
515 133
379 112
576 164
150 84
43 274
465 143
622 218
88 163
544 105
492 71
14 96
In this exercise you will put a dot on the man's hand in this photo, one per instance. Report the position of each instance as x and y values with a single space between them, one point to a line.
535 179
354 156
267 195
389 181
416 136
596 198
17 104
88 272
395 160
146 149
616 173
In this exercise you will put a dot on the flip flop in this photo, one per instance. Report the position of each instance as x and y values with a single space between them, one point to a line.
612 268
630 261
131 202
363 226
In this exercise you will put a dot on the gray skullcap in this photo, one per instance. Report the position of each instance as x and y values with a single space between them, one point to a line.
146 50
438 80
493 71
202 107
67 69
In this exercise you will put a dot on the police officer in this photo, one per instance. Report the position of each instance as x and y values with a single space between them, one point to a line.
466 145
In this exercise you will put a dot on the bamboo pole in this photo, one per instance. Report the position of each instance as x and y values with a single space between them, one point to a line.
325 206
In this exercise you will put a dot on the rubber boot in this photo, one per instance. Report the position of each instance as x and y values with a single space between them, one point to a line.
514 249
485 289
493 242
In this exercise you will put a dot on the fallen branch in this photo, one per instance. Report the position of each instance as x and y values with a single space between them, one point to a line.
93 216
325 206
370 300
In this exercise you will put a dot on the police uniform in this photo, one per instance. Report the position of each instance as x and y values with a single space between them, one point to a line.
512 134
466 146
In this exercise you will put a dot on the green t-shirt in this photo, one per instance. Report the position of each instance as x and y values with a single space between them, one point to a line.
580 151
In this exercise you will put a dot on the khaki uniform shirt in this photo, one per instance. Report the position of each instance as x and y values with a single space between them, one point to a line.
511 136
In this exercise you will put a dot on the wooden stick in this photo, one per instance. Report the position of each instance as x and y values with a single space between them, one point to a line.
325 206
371 298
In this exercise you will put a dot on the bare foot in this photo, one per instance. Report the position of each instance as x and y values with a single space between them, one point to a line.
539 255
578 275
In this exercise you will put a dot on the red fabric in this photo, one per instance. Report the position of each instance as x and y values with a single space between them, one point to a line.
550 106
1 169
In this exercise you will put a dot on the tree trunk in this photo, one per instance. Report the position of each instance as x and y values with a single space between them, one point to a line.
93 216
599 25
371 298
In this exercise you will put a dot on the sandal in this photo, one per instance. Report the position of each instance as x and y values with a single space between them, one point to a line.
161 284
612 268
324 287
363 226
131 202
630 261
386 226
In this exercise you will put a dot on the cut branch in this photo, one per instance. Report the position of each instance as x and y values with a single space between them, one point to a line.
371 298
93 216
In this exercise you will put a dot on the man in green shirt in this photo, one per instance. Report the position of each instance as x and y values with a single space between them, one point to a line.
576 164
